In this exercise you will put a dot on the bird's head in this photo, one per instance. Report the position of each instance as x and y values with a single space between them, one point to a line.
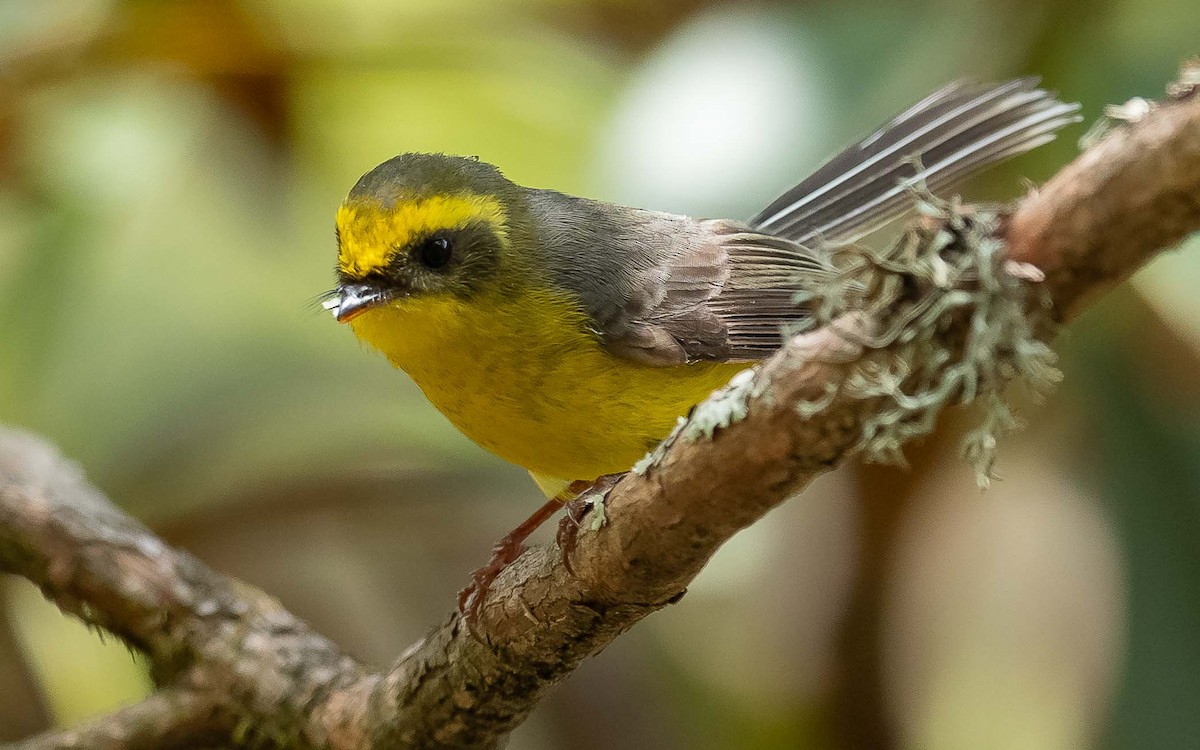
421 225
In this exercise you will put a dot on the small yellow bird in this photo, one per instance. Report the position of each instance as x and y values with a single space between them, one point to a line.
566 335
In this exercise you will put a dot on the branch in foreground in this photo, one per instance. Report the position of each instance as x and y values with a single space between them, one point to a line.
744 450
205 634
168 719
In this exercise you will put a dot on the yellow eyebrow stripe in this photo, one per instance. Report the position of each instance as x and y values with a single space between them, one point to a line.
372 234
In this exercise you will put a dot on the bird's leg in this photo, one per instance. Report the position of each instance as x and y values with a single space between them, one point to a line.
509 549
592 496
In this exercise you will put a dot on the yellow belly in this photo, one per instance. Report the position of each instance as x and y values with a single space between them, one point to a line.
523 378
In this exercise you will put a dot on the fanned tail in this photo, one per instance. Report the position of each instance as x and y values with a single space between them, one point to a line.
943 139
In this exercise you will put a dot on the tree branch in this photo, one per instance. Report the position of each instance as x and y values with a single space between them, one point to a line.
741 453
1128 196
166 720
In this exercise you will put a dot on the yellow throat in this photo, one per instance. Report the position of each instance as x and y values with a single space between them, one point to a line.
522 377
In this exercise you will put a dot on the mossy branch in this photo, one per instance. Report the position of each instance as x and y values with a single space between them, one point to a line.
960 307
947 272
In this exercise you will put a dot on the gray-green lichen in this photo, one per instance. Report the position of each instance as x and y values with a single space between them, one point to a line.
652 459
727 405
954 322
1115 115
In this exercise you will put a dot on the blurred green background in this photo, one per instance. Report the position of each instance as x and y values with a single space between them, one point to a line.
168 177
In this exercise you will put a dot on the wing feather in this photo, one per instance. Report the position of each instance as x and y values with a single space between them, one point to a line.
948 136
666 290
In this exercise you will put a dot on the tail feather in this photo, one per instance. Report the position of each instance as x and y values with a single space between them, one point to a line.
943 139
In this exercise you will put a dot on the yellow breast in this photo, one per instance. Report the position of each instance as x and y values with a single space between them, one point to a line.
522 377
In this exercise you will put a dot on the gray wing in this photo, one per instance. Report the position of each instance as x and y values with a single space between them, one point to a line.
664 289
721 292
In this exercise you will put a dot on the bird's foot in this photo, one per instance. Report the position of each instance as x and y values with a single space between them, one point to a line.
592 498
578 497
507 550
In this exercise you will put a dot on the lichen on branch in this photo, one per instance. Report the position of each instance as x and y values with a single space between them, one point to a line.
945 319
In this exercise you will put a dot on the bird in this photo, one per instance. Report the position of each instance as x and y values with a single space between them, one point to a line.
567 335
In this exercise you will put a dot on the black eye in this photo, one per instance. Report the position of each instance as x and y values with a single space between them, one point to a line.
434 252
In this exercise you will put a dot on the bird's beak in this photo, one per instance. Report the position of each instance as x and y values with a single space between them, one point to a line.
353 300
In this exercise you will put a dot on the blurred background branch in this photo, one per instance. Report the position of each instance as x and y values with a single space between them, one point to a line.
168 171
